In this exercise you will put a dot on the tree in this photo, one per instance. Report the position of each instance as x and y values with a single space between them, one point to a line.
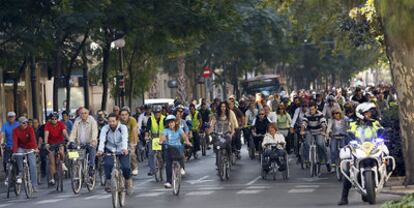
397 23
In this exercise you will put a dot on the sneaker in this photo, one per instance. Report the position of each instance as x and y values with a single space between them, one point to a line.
167 185
182 172
52 181
18 180
108 186
135 172
64 167
34 190
150 174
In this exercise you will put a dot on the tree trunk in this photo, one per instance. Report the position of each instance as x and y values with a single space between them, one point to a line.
33 79
16 87
56 80
181 91
105 68
85 82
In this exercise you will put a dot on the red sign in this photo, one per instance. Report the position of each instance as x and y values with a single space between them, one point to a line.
206 72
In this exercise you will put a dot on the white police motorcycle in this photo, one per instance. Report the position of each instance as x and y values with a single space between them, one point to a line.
367 165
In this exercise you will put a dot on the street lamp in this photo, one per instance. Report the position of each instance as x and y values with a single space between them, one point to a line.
120 44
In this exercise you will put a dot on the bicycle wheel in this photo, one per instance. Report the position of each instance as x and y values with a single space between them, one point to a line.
59 176
274 170
114 189
101 172
121 191
27 183
158 168
176 180
300 157
312 160
227 167
203 146
76 176
221 165
90 181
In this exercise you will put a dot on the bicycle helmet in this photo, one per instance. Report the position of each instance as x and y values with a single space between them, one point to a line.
170 118
363 108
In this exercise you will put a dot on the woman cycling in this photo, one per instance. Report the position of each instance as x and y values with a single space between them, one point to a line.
284 122
221 124
337 131
172 137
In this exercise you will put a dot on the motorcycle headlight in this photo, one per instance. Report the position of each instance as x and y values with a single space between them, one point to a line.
367 147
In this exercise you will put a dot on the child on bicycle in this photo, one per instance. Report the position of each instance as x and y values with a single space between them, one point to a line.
172 137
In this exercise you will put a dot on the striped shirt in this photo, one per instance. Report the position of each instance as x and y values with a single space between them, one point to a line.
314 123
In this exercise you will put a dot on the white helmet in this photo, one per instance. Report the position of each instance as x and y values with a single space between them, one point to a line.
169 118
362 108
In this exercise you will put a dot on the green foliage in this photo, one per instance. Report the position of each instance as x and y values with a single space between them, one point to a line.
404 202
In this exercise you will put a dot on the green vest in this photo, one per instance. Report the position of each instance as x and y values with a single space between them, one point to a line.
195 121
365 132
157 128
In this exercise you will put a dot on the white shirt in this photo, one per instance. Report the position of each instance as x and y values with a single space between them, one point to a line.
277 138
272 117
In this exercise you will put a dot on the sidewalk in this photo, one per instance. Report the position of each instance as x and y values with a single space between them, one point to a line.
395 186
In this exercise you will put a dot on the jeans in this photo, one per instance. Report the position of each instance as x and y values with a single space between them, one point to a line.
6 157
334 149
320 146
92 155
43 161
31 160
196 141
151 157
124 163
169 162
52 162
236 141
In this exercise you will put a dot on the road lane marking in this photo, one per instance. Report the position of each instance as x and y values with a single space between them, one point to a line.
258 187
253 181
307 186
6 205
291 191
199 193
142 183
210 188
104 196
201 180
153 194
249 191
48 201
66 196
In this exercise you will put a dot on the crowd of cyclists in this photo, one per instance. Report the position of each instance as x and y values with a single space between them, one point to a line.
256 120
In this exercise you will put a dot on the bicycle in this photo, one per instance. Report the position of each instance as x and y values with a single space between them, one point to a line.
80 170
159 162
223 160
315 166
204 139
301 153
11 177
175 155
274 167
117 182
100 170
26 179
59 166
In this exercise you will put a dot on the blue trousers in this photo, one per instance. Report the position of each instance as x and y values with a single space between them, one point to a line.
31 160
125 166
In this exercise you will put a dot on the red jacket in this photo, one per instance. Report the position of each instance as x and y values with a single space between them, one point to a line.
24 138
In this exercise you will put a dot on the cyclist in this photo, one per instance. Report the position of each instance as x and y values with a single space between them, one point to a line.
221 124
68 123
273 136
283 124
85 132
155 127
250 115
132 126
240 121
196 123
24 140
259 128
114 139
55 134
337 126
272 116
179 114
315 124
7 140
329 106
365 128
172 136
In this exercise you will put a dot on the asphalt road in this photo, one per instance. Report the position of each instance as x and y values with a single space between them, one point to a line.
202 188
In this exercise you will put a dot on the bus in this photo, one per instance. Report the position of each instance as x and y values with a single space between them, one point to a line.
267 84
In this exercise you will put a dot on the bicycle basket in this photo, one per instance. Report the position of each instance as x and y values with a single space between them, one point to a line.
174 152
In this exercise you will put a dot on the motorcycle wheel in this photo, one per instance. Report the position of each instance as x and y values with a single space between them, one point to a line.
370 186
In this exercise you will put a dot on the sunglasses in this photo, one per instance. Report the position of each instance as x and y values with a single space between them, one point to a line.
54 119
336 113
261 114
24 123
180 111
